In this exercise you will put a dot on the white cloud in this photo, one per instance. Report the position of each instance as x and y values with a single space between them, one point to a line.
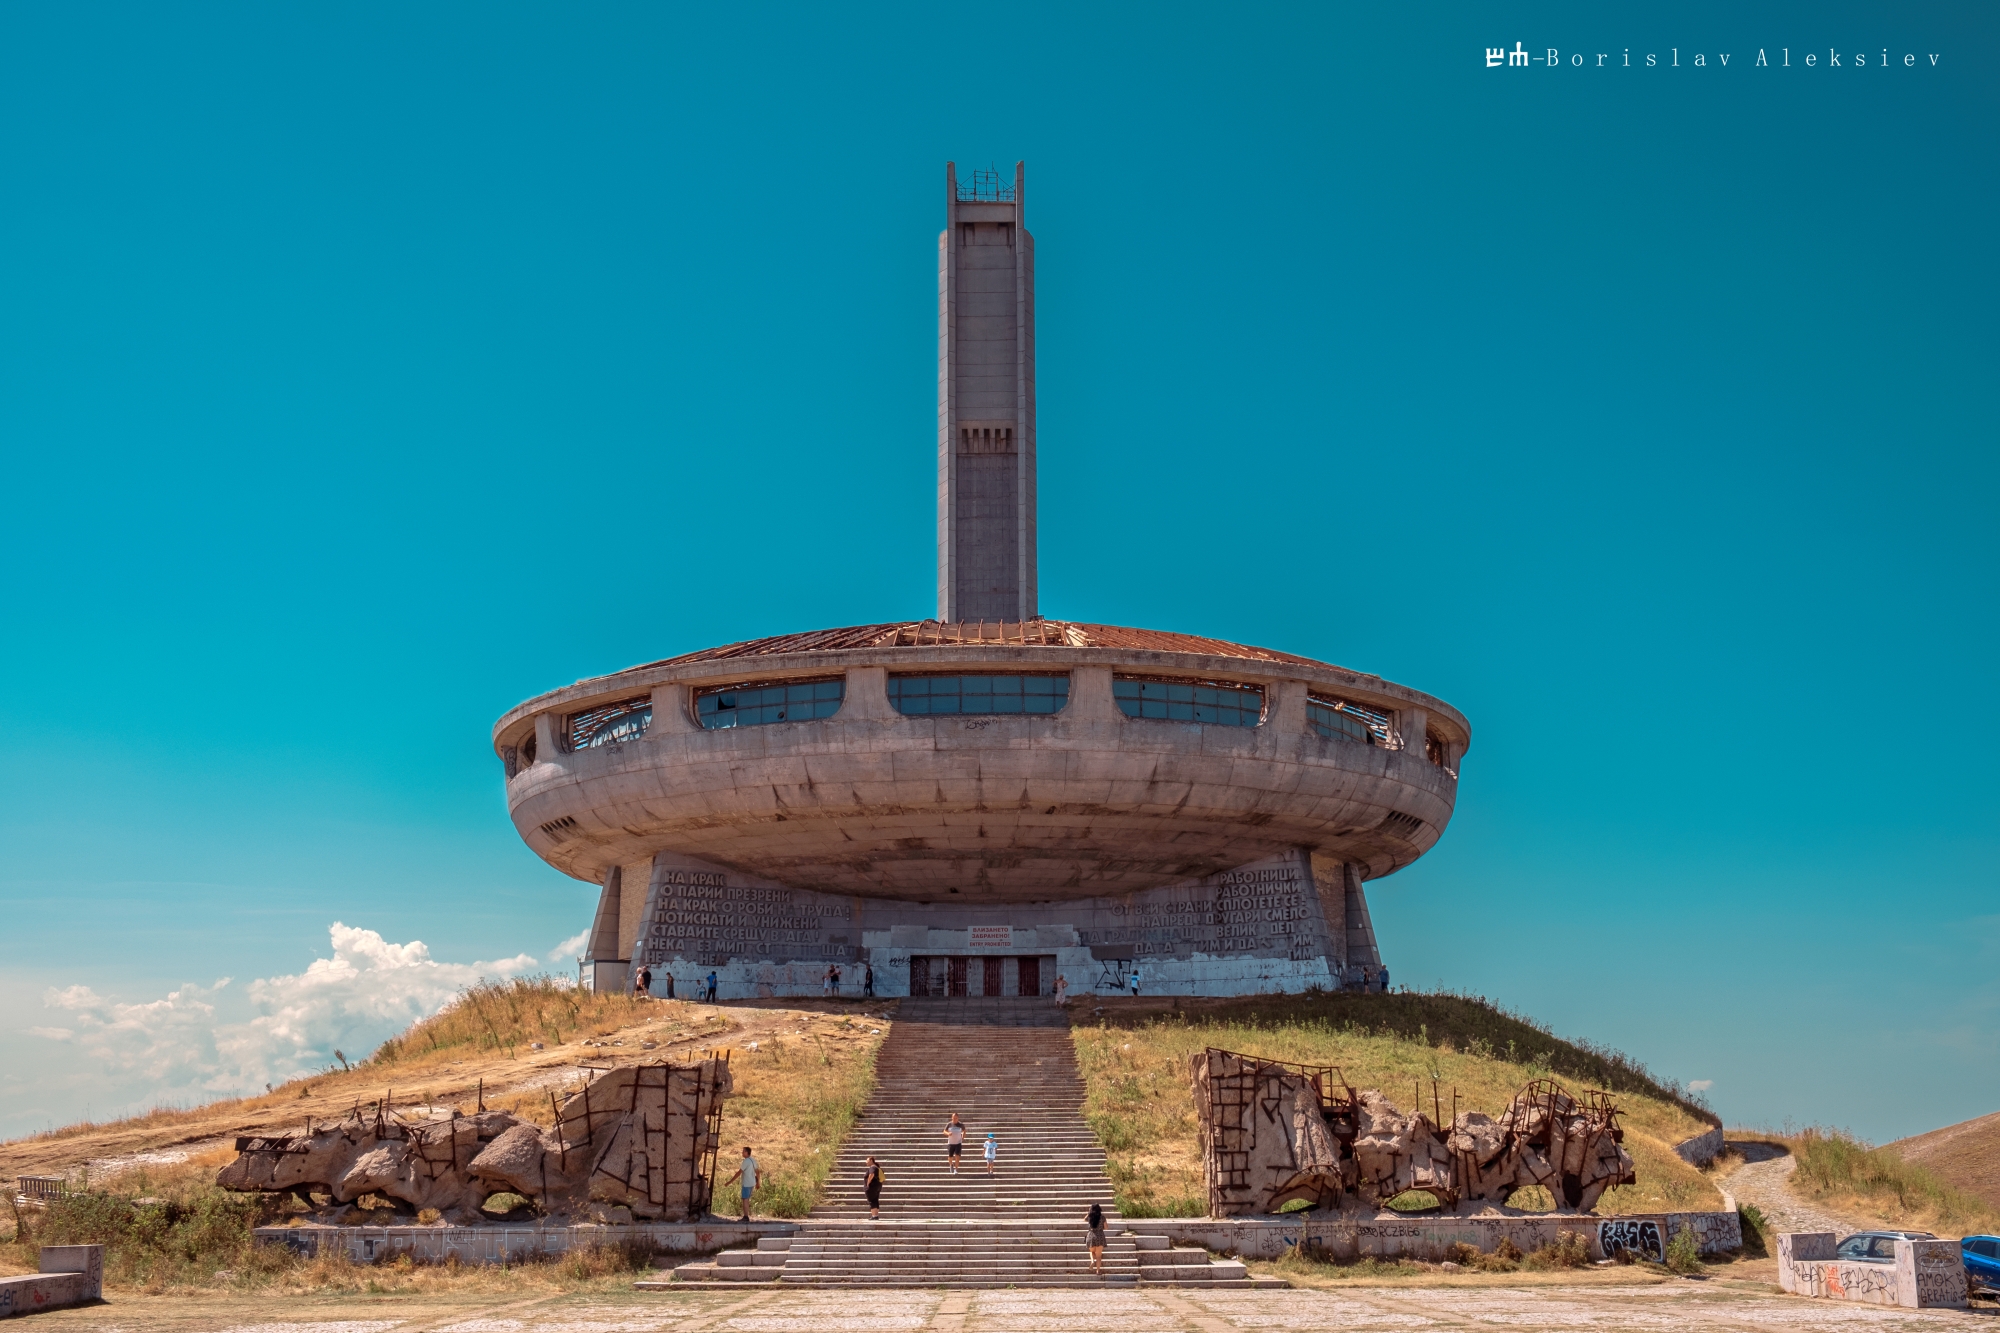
53 1034
369 990
570 949
1700 1084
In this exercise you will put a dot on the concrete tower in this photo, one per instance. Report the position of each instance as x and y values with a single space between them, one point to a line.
986 401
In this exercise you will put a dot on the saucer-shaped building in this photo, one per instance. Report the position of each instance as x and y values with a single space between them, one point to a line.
977 804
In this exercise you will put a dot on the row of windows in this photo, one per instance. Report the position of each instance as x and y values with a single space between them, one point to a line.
918 696
1216 702
1220 702
755 705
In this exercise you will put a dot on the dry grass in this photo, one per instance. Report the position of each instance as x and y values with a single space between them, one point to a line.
1965 1156
1848 1175
797 1096
1139 1099
511 1015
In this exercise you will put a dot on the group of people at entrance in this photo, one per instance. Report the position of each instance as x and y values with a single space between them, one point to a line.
642 985
830 983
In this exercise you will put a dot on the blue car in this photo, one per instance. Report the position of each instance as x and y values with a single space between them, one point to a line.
1982 1260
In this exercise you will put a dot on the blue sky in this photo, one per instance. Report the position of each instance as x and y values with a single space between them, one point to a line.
366 370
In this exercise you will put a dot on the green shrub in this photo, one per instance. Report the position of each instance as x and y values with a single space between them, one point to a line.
1756 1231
1684 1252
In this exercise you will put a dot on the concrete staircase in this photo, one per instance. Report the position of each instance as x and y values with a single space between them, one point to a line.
1006 1066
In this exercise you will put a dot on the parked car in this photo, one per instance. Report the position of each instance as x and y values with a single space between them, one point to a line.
1982 1260
1875 1247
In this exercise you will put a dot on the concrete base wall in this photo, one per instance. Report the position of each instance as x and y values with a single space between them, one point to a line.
71 1275
1701 1149
1430 1238
1926 1275
502 1242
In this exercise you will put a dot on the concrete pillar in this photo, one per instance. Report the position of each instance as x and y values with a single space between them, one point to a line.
546 748
1090 696
1329 883
867 696
1361 947
1411 724
1285 710
672 711
986 405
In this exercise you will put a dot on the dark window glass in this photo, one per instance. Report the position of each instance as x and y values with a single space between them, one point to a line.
1221 702
919 696
1345 720
756 705
611 724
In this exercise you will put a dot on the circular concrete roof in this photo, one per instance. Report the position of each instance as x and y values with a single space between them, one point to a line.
1085 801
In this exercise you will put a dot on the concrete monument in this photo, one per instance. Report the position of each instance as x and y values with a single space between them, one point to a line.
1273 1132
980 803
641 1139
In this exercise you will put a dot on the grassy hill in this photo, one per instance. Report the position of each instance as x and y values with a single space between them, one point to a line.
1134 1057
1965 1156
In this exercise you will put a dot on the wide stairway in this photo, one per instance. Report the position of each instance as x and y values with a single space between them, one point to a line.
1007 1067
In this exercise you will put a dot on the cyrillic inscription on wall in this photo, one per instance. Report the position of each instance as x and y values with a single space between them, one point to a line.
1263 910
703 915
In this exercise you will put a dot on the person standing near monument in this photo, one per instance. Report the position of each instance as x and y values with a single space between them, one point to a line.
871 1185
1135 983
1095 1222
747 1173
642 983
1385 981
1062 991
711 988
954 1142
670 985
868 981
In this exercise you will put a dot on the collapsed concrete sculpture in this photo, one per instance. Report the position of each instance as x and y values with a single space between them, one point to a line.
1272 1132
642 1137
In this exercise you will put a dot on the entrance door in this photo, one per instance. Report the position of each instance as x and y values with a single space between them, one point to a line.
992 983
920 976
957 976
1031 976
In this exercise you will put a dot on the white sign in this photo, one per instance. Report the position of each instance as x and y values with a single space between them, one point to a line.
992 937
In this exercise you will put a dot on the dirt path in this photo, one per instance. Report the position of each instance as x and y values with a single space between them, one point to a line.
1765 1179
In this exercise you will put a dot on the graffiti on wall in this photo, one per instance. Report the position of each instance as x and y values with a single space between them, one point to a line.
1635 1237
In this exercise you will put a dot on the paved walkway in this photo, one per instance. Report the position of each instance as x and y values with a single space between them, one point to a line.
1764 1179
1673 1307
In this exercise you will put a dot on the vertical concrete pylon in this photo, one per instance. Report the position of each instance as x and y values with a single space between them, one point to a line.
986 401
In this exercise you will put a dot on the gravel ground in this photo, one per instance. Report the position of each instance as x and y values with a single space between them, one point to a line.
1670 1307
1765 1180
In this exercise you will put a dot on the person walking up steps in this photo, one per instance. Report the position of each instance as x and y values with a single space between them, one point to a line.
954 1142
747 1173
871 1185
1095 1221
992 1151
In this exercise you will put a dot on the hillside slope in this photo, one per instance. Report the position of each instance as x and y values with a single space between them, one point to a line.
1965 1155
1134 1057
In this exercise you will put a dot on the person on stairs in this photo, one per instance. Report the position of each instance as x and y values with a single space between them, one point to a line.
954 1142
871 1185
1062 991
992 1151
1095 1221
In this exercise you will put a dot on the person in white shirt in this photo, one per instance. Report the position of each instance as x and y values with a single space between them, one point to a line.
747 1173
954 1142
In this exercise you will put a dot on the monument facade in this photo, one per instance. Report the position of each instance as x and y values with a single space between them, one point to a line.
982 803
